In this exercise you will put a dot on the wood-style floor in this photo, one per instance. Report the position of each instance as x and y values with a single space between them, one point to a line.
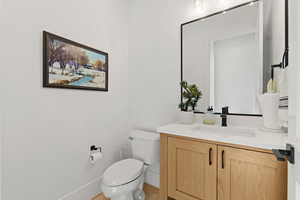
152 193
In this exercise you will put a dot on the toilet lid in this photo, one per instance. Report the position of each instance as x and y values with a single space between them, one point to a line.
123 172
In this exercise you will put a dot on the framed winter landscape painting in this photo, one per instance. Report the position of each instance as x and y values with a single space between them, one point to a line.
68 64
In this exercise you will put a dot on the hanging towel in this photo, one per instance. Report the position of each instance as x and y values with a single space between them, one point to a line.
283 82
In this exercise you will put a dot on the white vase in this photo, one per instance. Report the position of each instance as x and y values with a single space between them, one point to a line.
269 103
186 117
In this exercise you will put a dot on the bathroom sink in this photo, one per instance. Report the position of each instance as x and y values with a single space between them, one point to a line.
226 131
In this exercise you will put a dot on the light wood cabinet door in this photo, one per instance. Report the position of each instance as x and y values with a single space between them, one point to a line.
192 170
250 175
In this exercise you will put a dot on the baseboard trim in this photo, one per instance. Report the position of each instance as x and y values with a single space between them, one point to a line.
147 188
83 191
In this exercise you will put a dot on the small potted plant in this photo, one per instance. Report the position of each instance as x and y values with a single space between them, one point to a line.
191 95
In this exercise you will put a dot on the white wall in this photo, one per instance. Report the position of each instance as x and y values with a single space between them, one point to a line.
47 132
154 58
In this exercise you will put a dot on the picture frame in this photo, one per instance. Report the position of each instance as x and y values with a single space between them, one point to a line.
71 65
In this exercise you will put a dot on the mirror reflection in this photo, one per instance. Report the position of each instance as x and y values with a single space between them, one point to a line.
229 55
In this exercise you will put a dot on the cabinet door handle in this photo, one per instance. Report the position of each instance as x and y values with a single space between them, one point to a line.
223 164
210 154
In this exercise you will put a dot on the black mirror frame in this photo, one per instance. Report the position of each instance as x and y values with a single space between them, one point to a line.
285 55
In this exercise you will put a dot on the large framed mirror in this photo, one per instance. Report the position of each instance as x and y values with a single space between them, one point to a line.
232 54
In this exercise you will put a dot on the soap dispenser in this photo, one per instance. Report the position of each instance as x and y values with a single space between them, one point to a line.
209 117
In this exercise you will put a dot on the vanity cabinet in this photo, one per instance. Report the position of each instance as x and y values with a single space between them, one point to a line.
248 175
193 169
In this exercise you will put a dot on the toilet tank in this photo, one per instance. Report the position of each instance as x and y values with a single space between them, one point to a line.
145 146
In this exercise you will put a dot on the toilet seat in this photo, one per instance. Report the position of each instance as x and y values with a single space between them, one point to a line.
123 172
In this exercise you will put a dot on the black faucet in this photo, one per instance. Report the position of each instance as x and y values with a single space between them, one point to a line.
224 116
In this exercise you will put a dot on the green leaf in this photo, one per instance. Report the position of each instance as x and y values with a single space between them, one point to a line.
191 94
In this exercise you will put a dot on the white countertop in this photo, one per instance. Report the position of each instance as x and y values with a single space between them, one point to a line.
252 137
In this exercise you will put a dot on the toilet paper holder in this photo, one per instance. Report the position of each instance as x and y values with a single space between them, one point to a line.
96 148
95 154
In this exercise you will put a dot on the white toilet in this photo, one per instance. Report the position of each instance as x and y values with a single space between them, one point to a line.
124 178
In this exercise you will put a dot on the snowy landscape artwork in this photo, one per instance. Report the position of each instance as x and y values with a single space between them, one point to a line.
68 64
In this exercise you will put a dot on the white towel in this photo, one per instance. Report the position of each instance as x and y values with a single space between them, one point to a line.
283 82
